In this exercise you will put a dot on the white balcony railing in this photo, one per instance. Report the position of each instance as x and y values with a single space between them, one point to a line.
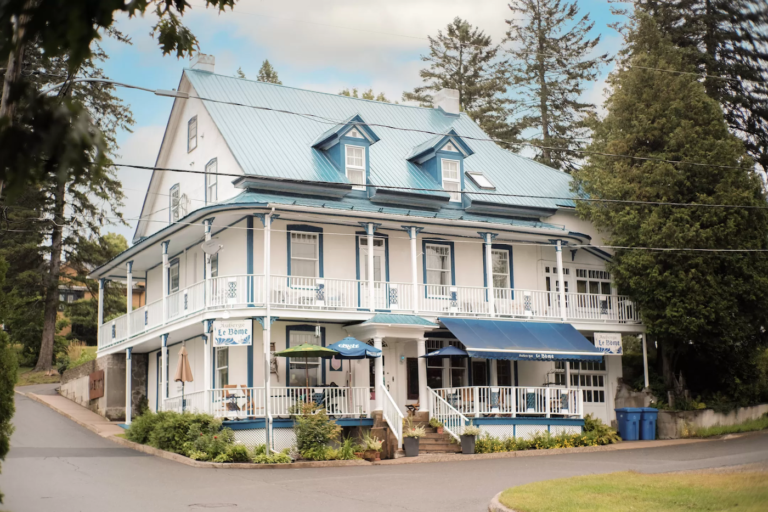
449 416
323 294
196 402
513 401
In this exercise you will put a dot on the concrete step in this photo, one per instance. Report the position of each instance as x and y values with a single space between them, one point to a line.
441 449
434 440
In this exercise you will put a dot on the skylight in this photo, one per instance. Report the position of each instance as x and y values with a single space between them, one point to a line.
480 180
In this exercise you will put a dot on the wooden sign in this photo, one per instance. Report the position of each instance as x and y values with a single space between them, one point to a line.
96 385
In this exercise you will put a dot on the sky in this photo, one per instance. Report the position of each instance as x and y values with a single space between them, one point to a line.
319 45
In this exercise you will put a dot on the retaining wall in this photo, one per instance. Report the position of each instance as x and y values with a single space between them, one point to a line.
676 424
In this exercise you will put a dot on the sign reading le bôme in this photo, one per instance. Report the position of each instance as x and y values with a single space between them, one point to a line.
608 342
232 333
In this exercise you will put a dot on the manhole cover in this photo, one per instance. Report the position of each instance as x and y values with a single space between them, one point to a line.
213 505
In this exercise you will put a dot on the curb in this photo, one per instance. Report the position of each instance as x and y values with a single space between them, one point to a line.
496 506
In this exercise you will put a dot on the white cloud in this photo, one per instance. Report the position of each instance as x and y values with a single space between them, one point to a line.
140 148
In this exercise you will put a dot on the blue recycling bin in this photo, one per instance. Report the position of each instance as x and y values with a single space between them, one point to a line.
628 419
648 416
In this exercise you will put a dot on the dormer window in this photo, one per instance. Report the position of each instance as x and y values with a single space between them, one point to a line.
480 180
452 178
355 166
192 134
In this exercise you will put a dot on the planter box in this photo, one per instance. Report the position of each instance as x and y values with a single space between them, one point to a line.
411 445
468 445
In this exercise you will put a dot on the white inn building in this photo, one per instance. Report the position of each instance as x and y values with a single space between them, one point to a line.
309 217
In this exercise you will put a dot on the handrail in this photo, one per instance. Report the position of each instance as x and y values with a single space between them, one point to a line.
396 422
446 414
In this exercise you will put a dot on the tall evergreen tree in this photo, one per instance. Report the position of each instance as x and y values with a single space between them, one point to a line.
8 367
464 58
550 66
707 311
74 203
239 73
726 39
366 95
268 74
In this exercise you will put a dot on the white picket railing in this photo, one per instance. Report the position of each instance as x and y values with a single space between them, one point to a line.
452 420
316 293
196 401
136 320
154 314
393 416
387 296
242 402
235 291
514 401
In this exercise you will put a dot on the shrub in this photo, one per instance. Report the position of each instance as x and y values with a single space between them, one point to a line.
598 432
260 456
348 448
216 445
238 453
434 422
141 427
173 430
314 429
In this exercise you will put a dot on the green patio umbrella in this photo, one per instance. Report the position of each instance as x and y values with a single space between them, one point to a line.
307 350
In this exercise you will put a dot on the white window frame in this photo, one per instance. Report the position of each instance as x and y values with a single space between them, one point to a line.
507 274
441 247
174 265
212 181
214 265
174 203
355 168
221 368
316 259
191 138
299 363
591 378
455 194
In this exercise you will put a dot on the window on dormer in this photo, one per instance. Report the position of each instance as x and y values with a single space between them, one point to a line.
355 166
452 179
354 133
450 147
192 134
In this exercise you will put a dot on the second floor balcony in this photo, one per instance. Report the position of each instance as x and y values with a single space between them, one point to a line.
323 294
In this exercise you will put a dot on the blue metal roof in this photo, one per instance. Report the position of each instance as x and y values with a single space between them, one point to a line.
358 202
390 318
269 143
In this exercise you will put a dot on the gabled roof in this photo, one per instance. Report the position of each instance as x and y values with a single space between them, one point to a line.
425 149
275 140
332 134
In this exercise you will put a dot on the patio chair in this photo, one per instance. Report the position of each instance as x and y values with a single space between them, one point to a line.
412 408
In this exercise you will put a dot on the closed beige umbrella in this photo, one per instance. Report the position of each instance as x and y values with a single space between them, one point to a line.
183 373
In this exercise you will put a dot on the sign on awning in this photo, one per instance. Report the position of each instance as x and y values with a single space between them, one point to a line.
231 333
609 343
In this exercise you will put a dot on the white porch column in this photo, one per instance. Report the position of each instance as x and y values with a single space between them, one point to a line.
163 371
208 343
494 373
645 362
100 314
128 387
488 238
267 325
421 350
164 247
378 377
370 228
207 288
567 374
129 295
413 233
561 281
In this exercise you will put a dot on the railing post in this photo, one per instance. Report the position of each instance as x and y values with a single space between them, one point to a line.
546 402
514 402
421 350
164 247
561 281
475 401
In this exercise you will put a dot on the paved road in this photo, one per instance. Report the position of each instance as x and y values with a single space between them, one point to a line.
54 464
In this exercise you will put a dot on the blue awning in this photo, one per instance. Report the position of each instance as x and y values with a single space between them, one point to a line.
522 341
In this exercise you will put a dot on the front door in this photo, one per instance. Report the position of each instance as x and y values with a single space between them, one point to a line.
378 273
413 378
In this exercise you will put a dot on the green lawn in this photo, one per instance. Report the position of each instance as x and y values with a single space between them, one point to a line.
630 491
26 377
748 426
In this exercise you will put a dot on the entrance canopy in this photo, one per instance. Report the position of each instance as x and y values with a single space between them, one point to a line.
522 341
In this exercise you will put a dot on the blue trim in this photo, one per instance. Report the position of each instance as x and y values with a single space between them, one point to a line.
248 260
529 421
302 328
432 241
501 247
307 229
259 423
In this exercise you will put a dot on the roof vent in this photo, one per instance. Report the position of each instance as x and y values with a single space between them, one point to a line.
202 62
448 100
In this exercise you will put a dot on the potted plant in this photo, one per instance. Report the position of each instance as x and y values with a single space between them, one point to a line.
411 437
372 447
468 438
435 423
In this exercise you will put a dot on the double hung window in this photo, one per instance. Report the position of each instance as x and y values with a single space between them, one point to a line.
192 134
303 368
355 166
175 203
211 181
173 277
500 266
222 366
304 254
452 179
438 258
590 376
